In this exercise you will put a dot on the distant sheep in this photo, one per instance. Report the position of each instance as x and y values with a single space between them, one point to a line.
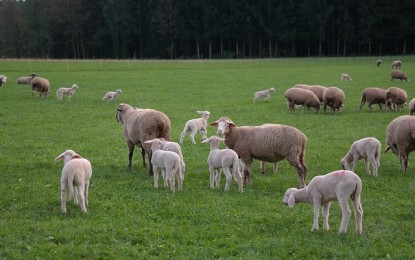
378 62
26 80
395 98
66 91
322 190
265 94
195 125
304 97
334 98
412 106
373 96
345 77
397 74
110 96
368 149
3 80
41 85
396 64
319 91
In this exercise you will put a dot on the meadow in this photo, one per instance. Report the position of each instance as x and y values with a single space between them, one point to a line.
128 218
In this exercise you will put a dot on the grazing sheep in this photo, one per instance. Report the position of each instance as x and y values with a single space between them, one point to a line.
304 97
140 125
412 106
319 91
25 79
368 149
338 185
77 172
378 62
268 142
195 125
397 74
167 161
265 94
223 159
303 86
395 98
110 96
41 85
373 96
396 64
66 91
333 97
3 80
345 77
173 147
400 138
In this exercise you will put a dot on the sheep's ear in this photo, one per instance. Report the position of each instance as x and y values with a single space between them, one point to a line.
205 141
291 200
232 124
214 123
59 157
221 139
76 156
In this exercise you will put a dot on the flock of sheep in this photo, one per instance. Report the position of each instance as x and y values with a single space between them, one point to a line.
150 130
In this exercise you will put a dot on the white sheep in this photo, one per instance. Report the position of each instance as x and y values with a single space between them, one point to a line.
110 96
265 94
173 147
195 125
345 77
225 159
368 149
168 162
338 185
66 91
77 172
396 64
3 80
26 79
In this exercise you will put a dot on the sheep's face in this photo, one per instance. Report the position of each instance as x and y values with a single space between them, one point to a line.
118 116
224 124
289 198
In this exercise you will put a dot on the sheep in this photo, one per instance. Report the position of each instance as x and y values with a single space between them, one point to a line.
3 80
167 161
223 159
395 98
299 96
140 125
368 149
396 64
266 94
397 74
66 91
345 77
77 172
333 97
378 62
303 86
173 147
195 125
318 90
268 142
338 185
110 96
25 79
412 106
400 138
373 96
41 85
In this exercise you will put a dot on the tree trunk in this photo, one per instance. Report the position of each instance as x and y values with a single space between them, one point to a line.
197 49
210 49
270 47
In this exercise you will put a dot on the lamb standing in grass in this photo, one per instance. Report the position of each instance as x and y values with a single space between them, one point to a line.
66 91
378 62
173 147
3 80
77 172
223 159
367 149
373 96
345 77
110 96
195 125
265 94
337 185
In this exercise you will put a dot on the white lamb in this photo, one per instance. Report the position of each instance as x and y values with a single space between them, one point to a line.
223 159
345 77
66 91
338 185
265 94
76 172
367 149
110 96
168 162
173 147
3 80
195 125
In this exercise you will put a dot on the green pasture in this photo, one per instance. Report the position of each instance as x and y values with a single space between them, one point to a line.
128 218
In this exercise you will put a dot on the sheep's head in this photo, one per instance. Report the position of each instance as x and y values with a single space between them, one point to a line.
74 86
119 91
289 198
224 124
120 110
213 140
67 156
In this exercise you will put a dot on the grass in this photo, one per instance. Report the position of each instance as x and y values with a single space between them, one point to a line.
127 218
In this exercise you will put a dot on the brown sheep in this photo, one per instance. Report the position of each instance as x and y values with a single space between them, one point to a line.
373 96
319 91
333 97
299 96
41 85
395 98
397 74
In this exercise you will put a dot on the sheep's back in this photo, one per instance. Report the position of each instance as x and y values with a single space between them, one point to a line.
374 95
400 133
301 96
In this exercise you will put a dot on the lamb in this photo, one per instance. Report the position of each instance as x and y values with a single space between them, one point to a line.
395 98
223 159
378 62
368 149
195 125
303 86
373 96
3 80
396 64
338 185
268 142
25 79
397 74
41 85
173 147
333 97
110 96
400 138
140 125
345 77
265 94
318 90
167 161
77 172
299 96
66 91
412 106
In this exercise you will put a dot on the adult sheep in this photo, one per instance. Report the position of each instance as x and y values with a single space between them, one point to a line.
334 98
41 85
303 86
318 90
412 106
397 74
304 97
25 79
395 98
268 142
396 64
373 96
378 62
140 125
400 138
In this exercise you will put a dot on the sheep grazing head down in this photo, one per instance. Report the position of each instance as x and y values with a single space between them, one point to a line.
67 156
224 124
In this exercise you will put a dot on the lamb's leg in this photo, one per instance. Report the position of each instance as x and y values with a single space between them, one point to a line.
325 212
358 213
171 179
218 175
228 175
86 192
262 166
64 185
182 135
156 177
165 178
239 180
212 177
192 135
275 167
180 178
317 207
344 206
247 173
81 192
367 160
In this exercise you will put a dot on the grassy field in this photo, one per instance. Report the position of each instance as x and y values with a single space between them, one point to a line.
128 218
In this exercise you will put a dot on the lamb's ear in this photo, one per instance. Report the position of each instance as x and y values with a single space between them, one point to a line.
291 200
387 149
76 156
221 139
214 123
59 157
205 141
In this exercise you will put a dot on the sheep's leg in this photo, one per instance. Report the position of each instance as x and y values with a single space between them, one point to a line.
130 153
203 132
317 207
86 192
325 212
301 169
192 135
64 185
344 206
228 175
238 178
275 167
171 179
212 177
156 177
218 175
150 169
143 154
262 166
182 135
166 178
367 165
358 213
362 103
75 196
247 173
81 192
180 178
